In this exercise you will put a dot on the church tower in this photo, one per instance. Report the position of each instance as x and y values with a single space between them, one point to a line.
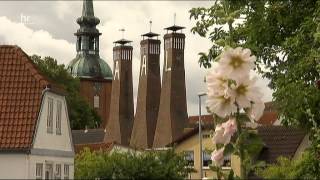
148 100
120 122
94 73
172 116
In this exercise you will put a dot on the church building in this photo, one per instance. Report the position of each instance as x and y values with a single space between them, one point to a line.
94 73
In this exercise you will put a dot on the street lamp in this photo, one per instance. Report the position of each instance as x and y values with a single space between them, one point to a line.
200 133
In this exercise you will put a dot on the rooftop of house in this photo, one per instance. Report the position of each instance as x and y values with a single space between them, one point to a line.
89 136
104 146
21 89
279 141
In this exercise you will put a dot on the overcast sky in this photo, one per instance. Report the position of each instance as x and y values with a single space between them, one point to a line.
46 28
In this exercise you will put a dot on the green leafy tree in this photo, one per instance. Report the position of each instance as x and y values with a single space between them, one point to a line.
130 165
285 37
80 113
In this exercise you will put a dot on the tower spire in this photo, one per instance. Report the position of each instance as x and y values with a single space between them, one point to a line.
87 9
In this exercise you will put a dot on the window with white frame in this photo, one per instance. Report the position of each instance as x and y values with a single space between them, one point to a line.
189 157
206 161
96 101
50 116
66 171
49 171
39 170
58 117
227 162
58 171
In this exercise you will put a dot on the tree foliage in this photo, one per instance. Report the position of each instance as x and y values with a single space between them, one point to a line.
130 165
285 37
80 113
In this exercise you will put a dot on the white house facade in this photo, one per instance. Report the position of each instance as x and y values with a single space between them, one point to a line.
35 134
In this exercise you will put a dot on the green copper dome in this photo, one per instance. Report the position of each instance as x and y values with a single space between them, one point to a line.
88 63
89 66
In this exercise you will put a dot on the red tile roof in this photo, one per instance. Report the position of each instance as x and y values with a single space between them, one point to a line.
21 86
268 118
104 146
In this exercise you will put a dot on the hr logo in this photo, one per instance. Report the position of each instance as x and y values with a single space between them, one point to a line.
24 19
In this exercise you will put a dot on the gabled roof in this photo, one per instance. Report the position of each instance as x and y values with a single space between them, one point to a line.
104 146
279 141
21 87
89 136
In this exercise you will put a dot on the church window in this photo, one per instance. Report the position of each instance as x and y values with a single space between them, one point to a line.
96 101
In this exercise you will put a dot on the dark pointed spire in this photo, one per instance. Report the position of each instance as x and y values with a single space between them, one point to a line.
87 9
87 18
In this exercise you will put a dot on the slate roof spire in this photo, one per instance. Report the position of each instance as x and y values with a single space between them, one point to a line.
88 63
87 9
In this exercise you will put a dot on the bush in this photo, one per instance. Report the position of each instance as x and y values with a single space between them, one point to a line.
306 167
130 165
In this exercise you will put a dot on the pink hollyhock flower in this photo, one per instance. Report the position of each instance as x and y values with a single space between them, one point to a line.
230 127
220 137
246 91
256 111
217 157
236 62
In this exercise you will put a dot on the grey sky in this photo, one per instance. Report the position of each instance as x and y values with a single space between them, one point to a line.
49 32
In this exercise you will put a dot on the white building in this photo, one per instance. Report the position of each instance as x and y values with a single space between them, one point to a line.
35 134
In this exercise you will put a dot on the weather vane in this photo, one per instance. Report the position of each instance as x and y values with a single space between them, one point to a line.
150 24
122 30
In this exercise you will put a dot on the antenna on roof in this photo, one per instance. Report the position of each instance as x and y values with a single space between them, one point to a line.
150 25
122 30
174 18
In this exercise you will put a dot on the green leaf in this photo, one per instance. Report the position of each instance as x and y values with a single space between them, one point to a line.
228 149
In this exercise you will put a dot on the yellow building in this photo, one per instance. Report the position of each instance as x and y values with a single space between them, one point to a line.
278 141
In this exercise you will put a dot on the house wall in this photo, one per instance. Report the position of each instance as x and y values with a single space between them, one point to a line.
192 144
13 166
305 143
34 159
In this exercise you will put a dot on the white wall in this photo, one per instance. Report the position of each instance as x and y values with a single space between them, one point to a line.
54 160
45 140
13 166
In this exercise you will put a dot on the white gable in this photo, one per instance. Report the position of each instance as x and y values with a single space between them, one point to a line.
52 139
